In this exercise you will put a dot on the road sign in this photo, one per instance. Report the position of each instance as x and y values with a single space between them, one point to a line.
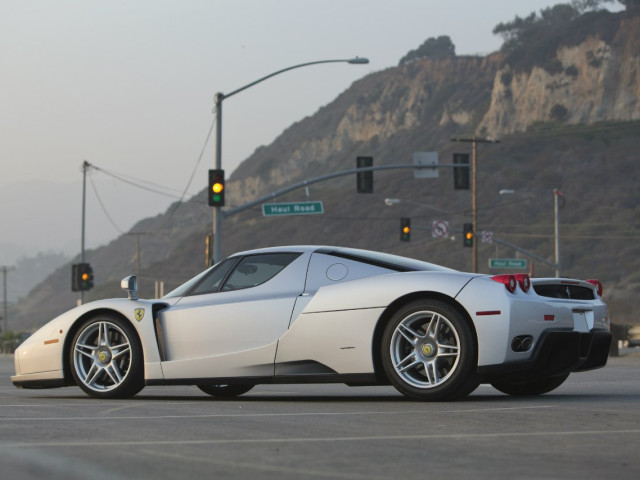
507 263
487 236
425 158
440 229
293 208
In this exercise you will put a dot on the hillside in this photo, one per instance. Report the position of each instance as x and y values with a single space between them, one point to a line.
575 128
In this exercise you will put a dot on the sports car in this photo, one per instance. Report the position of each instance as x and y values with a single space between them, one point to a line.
312 314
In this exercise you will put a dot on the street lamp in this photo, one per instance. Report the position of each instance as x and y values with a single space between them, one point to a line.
556 204
219 97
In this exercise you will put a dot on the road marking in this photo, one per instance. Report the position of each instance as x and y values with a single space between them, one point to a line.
247 415
371 438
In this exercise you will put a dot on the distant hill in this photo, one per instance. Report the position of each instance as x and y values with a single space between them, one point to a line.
575 127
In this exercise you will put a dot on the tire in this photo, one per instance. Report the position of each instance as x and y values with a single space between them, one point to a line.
225 391
106 358
524 388
429 352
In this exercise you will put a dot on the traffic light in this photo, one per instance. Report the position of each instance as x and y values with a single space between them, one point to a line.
216 188
467 235
405 229
364 179
461 174
81 277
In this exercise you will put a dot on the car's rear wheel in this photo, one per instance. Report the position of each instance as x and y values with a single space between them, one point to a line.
429 352
524 388
225 391
106 358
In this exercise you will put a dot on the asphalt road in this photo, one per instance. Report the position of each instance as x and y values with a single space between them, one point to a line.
588 428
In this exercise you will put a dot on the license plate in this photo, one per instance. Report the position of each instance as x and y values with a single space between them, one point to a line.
582 320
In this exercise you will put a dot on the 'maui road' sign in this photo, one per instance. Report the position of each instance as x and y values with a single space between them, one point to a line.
507 263
294 208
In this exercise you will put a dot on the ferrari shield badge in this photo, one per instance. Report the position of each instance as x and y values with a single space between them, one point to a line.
139 314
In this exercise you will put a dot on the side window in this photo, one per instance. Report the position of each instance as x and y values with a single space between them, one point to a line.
254 270
211 283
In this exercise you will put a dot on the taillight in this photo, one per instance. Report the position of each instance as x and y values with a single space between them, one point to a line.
598 285
509 281
524 281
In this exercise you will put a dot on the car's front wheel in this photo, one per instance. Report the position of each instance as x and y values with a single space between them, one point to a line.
106 358
429 352
528 388
225 391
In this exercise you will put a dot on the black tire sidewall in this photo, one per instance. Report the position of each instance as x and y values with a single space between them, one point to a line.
134 379
462 381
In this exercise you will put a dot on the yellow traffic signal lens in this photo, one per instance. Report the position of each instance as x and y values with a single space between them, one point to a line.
469 235
85 276
217 187
406 230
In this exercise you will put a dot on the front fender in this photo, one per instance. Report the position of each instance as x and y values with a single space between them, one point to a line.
44 350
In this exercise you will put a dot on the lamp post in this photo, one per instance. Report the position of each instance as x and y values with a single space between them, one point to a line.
219 97
556 222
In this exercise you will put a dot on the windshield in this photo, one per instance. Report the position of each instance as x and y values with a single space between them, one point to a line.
184 288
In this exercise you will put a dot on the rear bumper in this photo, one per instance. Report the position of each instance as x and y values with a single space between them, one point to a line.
557 352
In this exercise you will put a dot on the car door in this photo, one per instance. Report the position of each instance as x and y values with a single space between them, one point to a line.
229 324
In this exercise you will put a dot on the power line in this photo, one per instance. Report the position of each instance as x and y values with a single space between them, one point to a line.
128 179
95 190
193 173
130 182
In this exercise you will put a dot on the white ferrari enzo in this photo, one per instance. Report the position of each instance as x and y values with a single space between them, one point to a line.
325 314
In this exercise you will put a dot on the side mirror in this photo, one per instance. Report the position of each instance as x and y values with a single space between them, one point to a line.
130 284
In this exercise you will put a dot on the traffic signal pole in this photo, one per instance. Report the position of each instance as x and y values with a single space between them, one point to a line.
217 213
85 167
474 203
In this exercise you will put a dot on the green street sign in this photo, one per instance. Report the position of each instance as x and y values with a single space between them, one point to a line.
295 208
507 263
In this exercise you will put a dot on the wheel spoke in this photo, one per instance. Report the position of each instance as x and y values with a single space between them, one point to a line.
114 373
90 379
434 327
116 352
409 334
445 350
104 334
409 361
431 372
86 350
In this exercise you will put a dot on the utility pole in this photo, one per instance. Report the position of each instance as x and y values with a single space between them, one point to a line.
85 167
474 192
137 235
5 269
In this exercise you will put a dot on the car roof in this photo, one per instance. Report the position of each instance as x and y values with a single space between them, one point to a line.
394 262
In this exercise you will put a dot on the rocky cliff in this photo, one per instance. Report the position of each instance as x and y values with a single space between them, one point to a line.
594 81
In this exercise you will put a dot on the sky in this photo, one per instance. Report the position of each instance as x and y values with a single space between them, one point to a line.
128 86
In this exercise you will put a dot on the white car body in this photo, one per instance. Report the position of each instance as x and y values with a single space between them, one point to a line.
321 319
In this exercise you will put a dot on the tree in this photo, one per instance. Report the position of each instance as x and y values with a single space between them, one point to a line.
441 47
630 4
550 20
